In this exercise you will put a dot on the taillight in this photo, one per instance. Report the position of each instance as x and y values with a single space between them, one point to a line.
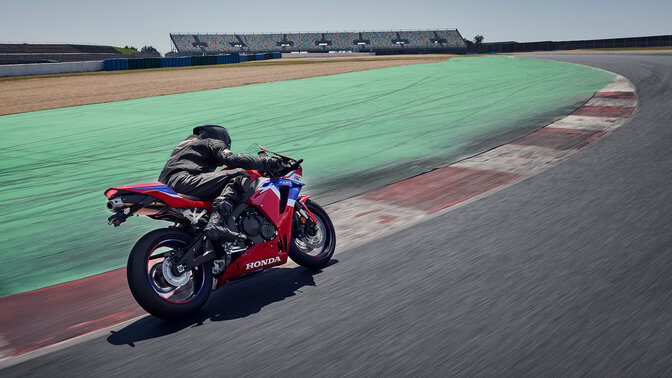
109 193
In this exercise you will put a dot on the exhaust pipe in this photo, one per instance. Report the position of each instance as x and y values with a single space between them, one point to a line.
115 204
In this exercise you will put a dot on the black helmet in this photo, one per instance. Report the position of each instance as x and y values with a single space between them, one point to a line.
214 132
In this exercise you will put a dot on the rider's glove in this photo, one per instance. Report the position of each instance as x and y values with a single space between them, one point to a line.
277 164
274 165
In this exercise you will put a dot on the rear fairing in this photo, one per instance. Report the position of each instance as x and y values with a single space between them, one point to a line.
165 194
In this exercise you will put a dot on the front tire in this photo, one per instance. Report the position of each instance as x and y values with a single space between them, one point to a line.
172 297
315 251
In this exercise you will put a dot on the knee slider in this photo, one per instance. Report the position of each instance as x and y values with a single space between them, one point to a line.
222 206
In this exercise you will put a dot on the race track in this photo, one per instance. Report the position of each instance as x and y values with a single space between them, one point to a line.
566 272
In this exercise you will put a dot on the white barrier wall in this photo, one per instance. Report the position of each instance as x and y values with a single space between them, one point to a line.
49 68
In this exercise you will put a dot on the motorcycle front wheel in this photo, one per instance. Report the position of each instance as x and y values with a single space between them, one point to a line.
154 282
315 251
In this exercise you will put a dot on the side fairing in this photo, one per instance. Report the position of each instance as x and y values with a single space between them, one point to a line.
276 198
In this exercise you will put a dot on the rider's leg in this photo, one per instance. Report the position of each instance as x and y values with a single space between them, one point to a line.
205 186
222 207
227 185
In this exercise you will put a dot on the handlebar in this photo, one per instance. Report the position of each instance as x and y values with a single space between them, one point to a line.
288 167
295 165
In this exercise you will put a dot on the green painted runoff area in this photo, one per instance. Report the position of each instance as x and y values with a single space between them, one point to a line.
55 164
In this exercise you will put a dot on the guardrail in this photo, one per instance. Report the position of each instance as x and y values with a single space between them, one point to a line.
187 61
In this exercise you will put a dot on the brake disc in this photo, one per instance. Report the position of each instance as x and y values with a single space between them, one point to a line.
172 279
159 282
315 241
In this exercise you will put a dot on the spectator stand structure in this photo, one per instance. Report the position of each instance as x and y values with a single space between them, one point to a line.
379 42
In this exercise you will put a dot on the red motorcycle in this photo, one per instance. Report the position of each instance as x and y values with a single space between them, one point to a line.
172 271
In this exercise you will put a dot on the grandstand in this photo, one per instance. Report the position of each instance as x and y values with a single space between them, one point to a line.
380 42
19 53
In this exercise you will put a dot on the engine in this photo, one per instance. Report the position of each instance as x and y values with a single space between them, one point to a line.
253 223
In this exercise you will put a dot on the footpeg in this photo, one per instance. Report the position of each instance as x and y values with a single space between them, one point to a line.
117 219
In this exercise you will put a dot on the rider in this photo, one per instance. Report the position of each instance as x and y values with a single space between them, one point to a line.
191 171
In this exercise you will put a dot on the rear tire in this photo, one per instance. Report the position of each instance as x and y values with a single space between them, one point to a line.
149 286
315 252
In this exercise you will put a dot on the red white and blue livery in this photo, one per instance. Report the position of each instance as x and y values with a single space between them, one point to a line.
171 271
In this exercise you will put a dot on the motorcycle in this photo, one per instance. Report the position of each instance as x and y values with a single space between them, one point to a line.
172 271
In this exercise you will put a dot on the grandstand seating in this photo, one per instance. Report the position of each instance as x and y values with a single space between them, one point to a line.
343 41
446 40
379 39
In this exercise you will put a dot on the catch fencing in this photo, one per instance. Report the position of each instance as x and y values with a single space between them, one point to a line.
187 61
7 70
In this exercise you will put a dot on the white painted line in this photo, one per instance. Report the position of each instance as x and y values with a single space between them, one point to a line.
620 84
517 159
357 220
4 348
588 123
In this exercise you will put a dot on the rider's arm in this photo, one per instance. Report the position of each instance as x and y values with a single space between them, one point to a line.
231 160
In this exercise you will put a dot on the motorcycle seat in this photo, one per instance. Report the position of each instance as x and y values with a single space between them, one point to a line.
193 198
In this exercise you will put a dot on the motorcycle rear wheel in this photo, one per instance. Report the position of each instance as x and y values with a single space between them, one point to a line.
316 251
153 290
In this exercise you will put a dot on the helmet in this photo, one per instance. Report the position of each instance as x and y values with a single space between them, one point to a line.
214 132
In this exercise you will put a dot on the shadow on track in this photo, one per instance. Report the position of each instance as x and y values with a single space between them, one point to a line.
239 300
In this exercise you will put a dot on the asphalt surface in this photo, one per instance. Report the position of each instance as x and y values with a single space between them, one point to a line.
564 273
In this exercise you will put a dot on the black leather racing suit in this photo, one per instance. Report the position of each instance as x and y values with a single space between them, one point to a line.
191 171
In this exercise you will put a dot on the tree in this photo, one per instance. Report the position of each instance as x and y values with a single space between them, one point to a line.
149 50
478 39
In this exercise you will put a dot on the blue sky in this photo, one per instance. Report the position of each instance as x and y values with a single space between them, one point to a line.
143 22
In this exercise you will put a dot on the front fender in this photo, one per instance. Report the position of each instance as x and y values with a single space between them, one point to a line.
302 200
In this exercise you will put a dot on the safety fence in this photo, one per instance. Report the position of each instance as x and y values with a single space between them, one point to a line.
187 61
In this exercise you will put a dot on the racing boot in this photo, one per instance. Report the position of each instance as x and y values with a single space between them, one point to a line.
216 228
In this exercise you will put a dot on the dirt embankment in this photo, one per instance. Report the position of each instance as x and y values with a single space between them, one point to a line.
18 96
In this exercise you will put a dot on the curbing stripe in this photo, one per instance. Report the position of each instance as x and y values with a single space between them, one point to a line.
560 139
36 319
630 95
610 102
604 111
528 155
441 188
